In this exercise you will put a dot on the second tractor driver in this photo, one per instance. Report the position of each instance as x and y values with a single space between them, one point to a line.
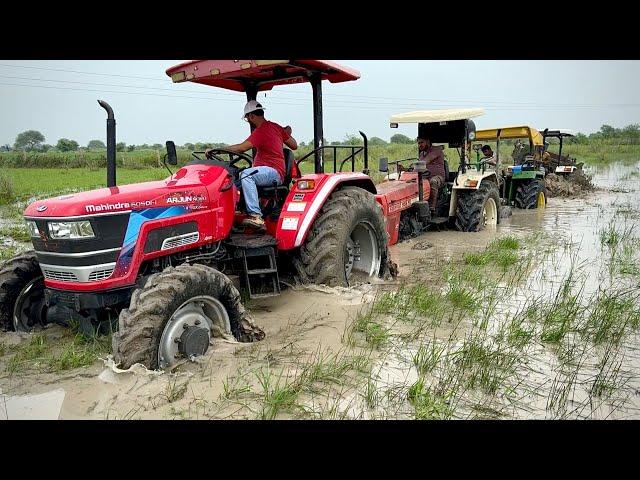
434 158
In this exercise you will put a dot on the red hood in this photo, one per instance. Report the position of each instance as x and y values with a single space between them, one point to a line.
188 186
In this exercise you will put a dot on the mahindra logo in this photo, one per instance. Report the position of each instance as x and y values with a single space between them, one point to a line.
41 208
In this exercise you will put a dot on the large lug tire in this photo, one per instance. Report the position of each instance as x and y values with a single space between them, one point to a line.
180 306
479 208
22 305
348 235
531 195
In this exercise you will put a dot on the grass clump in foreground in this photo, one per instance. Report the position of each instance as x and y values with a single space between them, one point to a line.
428 404
7 252
17 232
281 391
40 353
481 363
410 302
375 334
428 356
7 191
500 252
612 236
32 351
612 315
82 351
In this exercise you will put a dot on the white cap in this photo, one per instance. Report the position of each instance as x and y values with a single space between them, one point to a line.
252 106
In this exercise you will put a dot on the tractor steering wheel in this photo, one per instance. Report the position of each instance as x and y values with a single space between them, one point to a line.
234 157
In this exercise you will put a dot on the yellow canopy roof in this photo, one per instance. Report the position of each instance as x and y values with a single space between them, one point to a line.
510 132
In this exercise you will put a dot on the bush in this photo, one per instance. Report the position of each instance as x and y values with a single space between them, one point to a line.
66 145
96 145
400 138
7 192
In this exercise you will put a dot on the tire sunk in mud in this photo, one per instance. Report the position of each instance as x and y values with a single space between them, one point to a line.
348 235
478 208
176 313
21 293
531 195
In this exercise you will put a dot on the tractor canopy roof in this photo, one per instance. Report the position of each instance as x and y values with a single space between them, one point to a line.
239 75
433 116
534 136
557 133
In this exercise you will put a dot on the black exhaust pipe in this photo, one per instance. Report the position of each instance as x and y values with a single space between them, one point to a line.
111 144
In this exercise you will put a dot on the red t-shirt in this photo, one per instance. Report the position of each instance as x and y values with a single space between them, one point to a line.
267 139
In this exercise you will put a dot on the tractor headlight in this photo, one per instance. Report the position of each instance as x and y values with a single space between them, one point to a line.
33 228
472 136
70 230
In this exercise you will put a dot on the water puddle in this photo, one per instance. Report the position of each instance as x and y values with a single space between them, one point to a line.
43 406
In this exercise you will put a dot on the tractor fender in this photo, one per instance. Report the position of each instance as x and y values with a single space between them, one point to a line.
473 175
458 185
303 205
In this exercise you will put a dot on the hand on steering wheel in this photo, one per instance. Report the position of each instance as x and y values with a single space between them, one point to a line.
234 157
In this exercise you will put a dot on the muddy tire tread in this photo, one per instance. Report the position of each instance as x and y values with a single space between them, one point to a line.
470 205
15 273
320 259
140 326
527 194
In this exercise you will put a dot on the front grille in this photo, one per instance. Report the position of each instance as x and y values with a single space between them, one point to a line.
59 276
84 274
100 274
180 240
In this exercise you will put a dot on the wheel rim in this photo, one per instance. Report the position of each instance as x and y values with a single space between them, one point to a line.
542 201
490 213
30 308
361 251
202 313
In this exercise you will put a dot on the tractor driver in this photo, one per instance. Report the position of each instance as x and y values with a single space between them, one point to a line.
434 158
267 138
489 157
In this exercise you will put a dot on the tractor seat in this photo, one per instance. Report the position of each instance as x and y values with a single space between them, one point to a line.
447 173
274 190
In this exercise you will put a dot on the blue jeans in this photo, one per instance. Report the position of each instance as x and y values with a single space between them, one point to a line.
264 177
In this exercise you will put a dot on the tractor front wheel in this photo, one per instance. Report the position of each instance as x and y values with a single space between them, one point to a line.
175 315
348 236
22 305
531 195
479 208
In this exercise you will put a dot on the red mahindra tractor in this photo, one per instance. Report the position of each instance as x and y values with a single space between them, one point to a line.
153 259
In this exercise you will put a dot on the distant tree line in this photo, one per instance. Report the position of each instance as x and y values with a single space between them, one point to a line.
34 141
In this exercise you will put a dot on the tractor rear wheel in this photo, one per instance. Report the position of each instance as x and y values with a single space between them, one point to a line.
531 195
348 235
22 305
479 208
175 315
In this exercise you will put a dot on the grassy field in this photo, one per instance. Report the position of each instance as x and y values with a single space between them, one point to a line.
25 176
28 182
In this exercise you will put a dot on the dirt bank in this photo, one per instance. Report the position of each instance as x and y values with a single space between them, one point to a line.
573 185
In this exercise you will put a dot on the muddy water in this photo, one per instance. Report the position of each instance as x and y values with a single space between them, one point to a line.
574 228
296 322
301 321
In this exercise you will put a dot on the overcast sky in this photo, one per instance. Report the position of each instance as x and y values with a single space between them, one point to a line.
58 98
